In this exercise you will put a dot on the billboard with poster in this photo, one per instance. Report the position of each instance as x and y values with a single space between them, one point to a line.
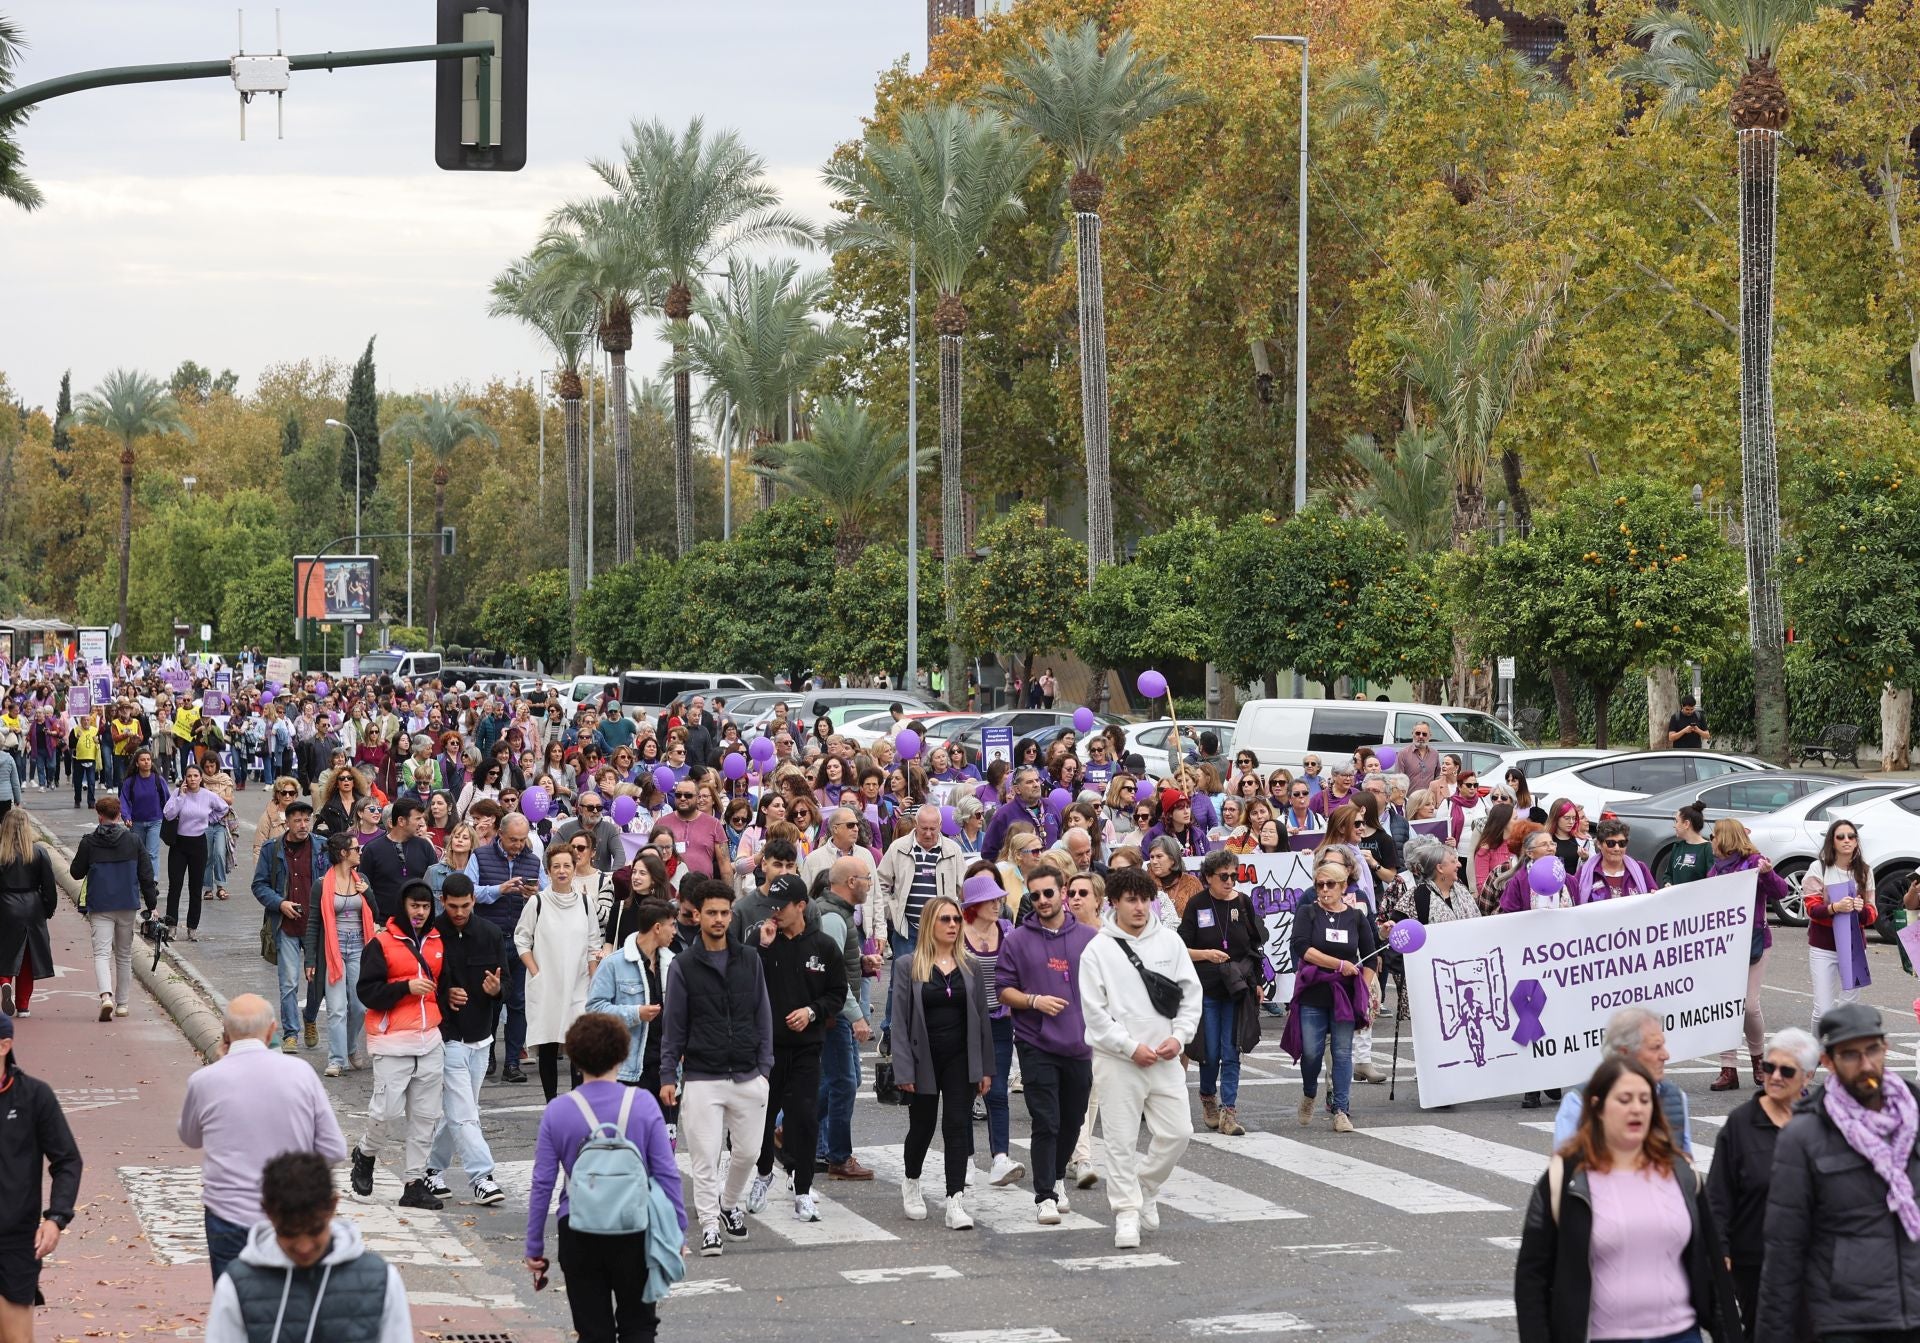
343 588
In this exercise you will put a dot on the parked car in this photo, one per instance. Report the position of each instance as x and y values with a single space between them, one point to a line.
1284 731
1748 796
1537 761
1637 774
1887 815
841 704
1151 740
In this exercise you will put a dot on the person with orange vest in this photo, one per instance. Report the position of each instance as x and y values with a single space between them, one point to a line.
399 977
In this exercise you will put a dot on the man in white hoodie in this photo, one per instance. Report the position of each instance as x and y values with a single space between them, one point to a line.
1136 1048
305 1270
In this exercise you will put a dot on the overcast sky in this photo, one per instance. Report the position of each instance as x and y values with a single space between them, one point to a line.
165 237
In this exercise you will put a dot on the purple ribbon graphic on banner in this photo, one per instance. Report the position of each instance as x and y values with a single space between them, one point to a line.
1528 1000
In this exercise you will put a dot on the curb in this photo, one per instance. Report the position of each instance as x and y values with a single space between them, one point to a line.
180 988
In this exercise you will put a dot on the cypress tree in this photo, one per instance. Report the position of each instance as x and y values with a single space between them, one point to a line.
62 439
290 435
363 416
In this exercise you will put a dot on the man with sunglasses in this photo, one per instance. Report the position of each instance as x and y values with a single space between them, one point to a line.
698 839
1611 874
593 821
1419 761
1843 1225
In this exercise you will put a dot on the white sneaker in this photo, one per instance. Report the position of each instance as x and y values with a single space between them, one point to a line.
804 1209
1150 1214
1060 1202
913 1201
1126 1231
1049 1212
957 1219
757 1194
973 1175
1006 1170
1085 1177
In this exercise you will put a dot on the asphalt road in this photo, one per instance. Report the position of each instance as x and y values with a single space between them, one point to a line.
1404 1231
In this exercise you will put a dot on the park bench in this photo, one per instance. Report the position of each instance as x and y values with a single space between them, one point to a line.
1836 743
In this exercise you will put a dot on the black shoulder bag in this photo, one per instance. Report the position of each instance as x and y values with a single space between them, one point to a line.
1163 991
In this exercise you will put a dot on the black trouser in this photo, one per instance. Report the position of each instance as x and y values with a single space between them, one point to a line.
1056 1088
951 1098
605 1278
793 1087
550 1069
650 1083
1746 1291
186 860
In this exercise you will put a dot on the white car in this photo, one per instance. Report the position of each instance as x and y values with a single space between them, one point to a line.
1636 774
1888 814
1536 762
1150 740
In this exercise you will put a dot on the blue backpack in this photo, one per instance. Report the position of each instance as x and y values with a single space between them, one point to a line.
609 1190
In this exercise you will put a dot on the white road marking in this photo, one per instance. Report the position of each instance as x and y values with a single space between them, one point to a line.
1004 1336
1504 1242
1501 1309
1326 1251
838 1224
1712 1121
1007 1209
1351 1175
1103 1262
868 1276
1203 1199
488 1301
701 1287
1228 1326
1515 1163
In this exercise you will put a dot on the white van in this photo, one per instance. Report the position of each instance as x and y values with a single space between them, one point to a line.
401 665
1283 731
653 691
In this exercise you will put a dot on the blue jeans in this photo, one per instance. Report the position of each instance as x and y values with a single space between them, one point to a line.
219 855
346 1018
1316 1023
1219 1037
997 1113
46 768
515 998
148 833
463 1070
225 1240
291 971
839 1084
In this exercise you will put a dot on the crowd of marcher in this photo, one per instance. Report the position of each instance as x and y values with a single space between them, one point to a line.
708 928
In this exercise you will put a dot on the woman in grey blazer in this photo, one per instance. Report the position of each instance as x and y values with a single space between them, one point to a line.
943 1053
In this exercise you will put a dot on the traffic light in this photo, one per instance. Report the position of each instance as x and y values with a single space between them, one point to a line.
446 543
480 128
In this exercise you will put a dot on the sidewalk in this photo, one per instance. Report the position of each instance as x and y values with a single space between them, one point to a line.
134 1262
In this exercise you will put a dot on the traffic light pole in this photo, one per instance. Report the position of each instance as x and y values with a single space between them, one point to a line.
443 538
33 94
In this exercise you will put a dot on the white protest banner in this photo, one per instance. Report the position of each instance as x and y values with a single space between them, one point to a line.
281 670
1519 1002
93 645
1274 884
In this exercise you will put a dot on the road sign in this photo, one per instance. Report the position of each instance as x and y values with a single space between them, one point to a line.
1506 669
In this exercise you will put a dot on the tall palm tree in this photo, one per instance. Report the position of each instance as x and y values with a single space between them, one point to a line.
14 185
1409 487
693 199
1083 103
1679 65
757 343
850 464
937 189
442 426
129 405
1472 346
563 322
597 249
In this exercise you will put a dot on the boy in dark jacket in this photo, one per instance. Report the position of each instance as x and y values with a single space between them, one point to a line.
120 883
806 988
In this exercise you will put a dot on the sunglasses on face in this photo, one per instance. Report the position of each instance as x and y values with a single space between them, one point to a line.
1838 838
1330 885
683 797
948 918
1143 816
1613 843
1786 1072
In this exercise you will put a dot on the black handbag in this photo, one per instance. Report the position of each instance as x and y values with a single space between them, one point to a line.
170 831
885 1090
1163 991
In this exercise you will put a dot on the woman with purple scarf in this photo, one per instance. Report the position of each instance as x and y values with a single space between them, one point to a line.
1838 892
1333 989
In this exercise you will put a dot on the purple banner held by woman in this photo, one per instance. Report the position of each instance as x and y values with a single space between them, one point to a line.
1849 947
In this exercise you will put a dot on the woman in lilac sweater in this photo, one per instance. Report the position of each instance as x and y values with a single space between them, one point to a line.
606 1275
195 808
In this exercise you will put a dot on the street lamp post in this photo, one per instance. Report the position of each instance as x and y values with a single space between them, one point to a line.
356 480
1300 311
409 535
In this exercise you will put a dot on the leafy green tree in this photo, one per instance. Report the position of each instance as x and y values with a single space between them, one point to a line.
362 416
851 466
311 483
864 628
629 616
1621 577
1148 613
530 619
1083 103
290 435
754 603
442 426
257 607
692 200
935 193
1022 594
1250 636
131 406
14 184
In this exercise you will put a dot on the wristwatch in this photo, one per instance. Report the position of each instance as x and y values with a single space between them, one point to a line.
59 1219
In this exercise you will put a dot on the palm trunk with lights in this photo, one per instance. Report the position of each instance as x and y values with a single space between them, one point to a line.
678 307
950 322
126 527
440 478
616 338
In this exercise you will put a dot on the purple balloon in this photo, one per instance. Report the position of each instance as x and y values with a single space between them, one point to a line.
1151 684
907 743
624 810
663 778
535 804
1546 875
761 749
948 825
1059 799
1408 935
734 766
1083 719
322 689
1143 791
1387 756
266 697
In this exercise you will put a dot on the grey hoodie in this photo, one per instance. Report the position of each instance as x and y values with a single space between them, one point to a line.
224 1323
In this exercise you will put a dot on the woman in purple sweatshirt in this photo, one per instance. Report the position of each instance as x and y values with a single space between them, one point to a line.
606 1275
